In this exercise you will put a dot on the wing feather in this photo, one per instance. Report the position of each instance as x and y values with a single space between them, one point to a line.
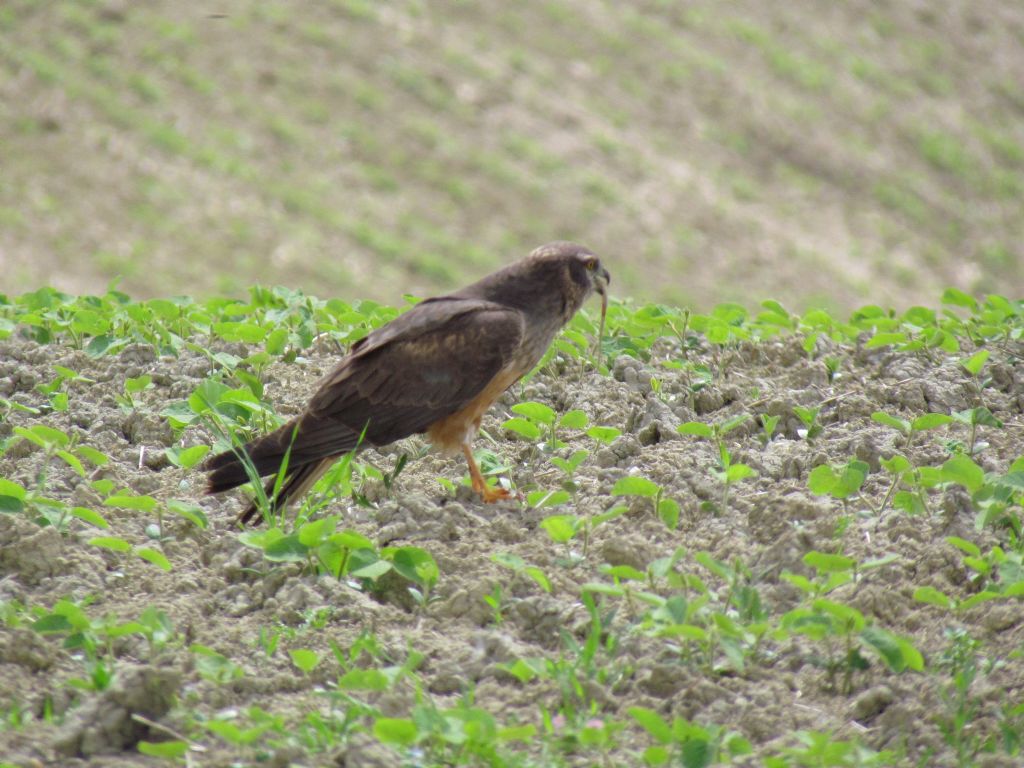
401 384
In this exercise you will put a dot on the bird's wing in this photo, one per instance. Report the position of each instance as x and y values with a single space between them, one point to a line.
421 367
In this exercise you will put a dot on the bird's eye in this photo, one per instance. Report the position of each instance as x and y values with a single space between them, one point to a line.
590 264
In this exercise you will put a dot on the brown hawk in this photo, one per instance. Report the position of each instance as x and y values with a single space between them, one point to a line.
435 369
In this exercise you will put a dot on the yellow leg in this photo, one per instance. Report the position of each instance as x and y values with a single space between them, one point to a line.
488 494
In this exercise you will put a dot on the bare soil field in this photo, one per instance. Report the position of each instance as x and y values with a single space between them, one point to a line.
773 609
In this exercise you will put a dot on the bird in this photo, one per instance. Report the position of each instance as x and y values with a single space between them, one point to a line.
435 370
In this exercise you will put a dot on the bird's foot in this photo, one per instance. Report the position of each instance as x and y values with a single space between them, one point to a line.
491 494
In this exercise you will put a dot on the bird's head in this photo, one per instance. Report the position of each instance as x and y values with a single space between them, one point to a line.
581 271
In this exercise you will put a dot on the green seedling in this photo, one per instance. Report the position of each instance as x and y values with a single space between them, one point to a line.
809 418
846 633
640 487
304 659
974 418
604 435
832 365
132 388
56 389
15 498
910 429
418 566
517 565
996 574
268 641
962 660
187 458
495 599
841 483
685 743
57 443
536 421
730 473
768 424
562 529
569 467
823 750
214 666
94 638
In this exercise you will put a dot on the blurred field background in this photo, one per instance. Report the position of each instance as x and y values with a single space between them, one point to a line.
818 153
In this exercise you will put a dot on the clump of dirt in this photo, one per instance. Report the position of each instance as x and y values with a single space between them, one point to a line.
226 598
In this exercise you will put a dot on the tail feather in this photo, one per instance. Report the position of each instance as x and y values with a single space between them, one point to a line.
295 485
311 447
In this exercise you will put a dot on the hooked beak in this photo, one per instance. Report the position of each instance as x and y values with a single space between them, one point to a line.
601 281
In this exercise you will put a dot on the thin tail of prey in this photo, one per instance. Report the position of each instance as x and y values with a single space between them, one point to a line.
266 456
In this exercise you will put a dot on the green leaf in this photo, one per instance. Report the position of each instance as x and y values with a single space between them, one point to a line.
154 556
11 488
186 458
141 503
364 680
542 498
697 753
394 730
968 547
822 480
43 436
653 723
372 571
824 562
517 733
737 472
668 511
90 516
561 528
244 332
90 454
415 564
962 470
11 504
51 624
885 339
166 749
138 384
958 298
276 341
698 428
977 599
729 425
635 486
305 659
975 362
887 645
520 426
574 420
930 421
72 462
287 549
191 512
539 577
932 596
897 464
656 755
111 542
891 421
604 434
981 416
537 412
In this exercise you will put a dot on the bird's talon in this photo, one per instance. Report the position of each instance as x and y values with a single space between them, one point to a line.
492 494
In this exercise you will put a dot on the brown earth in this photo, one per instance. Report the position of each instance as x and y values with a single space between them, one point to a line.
221 594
